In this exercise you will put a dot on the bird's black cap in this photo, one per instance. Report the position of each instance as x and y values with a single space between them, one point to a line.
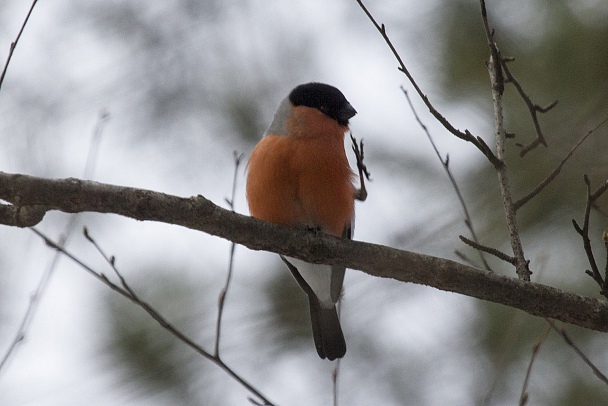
327 99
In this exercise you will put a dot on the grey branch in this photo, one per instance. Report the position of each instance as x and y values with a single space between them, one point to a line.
498 85
198 213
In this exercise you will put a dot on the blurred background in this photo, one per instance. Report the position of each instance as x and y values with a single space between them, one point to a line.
158 94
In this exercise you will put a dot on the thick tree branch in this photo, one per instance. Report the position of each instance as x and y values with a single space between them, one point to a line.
73 195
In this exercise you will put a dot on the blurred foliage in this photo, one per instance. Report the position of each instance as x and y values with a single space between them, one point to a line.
149 361
226 82
290 317
584 391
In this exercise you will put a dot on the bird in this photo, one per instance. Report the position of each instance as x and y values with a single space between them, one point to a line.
298 175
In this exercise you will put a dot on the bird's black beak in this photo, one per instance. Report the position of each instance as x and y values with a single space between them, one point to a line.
346 113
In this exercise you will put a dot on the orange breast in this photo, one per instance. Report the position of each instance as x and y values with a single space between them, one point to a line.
302 178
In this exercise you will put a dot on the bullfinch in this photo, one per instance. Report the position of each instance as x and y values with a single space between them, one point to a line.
298 175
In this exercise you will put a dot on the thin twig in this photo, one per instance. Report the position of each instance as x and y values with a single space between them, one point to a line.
519 203
585 359
445 164
533 108
222 298
584 233
111 260
14 43
540 340
523 399
32 307
489 250
466 135
126 291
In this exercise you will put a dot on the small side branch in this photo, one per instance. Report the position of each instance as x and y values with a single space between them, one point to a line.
222 298
562 332
518 204
533 108
35 298
507 77
14 43
489 250
584 233
523 399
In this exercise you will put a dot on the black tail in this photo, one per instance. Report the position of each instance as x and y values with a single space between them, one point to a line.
326 330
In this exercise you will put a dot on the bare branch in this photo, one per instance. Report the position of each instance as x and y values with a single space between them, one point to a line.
585 359
523 399
584 233
497 160
497 82
489 250
197 213
533 108
125 290
222 298
31 309
518 204
466 135
506 76
14 43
